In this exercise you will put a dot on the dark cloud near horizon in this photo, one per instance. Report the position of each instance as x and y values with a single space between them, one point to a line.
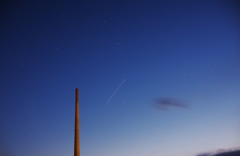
235 152
166 102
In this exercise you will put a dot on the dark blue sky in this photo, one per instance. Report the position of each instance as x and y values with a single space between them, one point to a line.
122 55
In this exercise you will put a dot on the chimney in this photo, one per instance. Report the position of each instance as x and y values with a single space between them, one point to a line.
77 127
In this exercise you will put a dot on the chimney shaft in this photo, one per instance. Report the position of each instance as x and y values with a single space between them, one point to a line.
77 127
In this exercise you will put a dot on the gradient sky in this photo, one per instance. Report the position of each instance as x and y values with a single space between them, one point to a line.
122 55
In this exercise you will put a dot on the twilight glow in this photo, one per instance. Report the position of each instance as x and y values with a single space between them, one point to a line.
155 77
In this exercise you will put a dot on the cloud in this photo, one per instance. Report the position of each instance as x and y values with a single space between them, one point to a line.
232 152
166 102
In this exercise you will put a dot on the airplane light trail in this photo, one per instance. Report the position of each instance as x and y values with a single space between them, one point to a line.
116 91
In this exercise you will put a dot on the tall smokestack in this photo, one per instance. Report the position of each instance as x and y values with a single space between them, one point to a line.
77 128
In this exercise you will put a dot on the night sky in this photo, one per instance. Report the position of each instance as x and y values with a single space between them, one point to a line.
155 77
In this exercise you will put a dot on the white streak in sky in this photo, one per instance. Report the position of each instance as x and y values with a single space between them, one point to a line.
116 91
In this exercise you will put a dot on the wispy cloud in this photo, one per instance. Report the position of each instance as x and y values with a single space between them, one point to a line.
166 102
